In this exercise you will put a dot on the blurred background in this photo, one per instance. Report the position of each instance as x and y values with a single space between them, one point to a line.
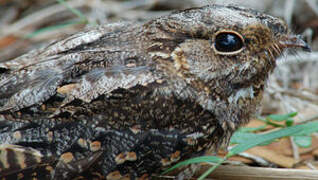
293 87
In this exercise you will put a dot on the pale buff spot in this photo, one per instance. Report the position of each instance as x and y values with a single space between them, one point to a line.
114 175
120 158
207 90
125 156
224 125
66 88
67 157
191 141
175 156
177 65
165 162
232 125
131 65
160 54
116 115
159 81
131 156
82 143
38 157
180 74
17 135
136 129
180 61
95 146
50 136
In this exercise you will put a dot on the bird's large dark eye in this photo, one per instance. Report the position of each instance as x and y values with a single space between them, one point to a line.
228 43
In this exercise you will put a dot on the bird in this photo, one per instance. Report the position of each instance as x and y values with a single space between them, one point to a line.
130 99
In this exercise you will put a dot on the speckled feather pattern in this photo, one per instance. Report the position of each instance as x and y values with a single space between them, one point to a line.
126 100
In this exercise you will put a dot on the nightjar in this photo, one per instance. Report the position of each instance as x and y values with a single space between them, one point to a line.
126 100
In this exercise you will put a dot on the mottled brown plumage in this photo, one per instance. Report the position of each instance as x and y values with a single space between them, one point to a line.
127 100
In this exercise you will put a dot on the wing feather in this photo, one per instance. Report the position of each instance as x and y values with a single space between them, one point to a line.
92 70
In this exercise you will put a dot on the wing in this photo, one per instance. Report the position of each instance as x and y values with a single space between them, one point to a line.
82 66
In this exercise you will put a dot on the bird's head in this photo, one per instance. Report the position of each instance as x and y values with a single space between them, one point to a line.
222 49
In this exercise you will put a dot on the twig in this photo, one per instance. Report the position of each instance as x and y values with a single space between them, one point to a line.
258 160
312 99
295 149
257 173
311 166
313 118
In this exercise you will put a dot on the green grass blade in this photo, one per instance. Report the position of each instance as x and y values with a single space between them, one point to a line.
242 137
73 10
210 170
201 159
251 129
281 117
254 142
303 141
265 138
308 128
